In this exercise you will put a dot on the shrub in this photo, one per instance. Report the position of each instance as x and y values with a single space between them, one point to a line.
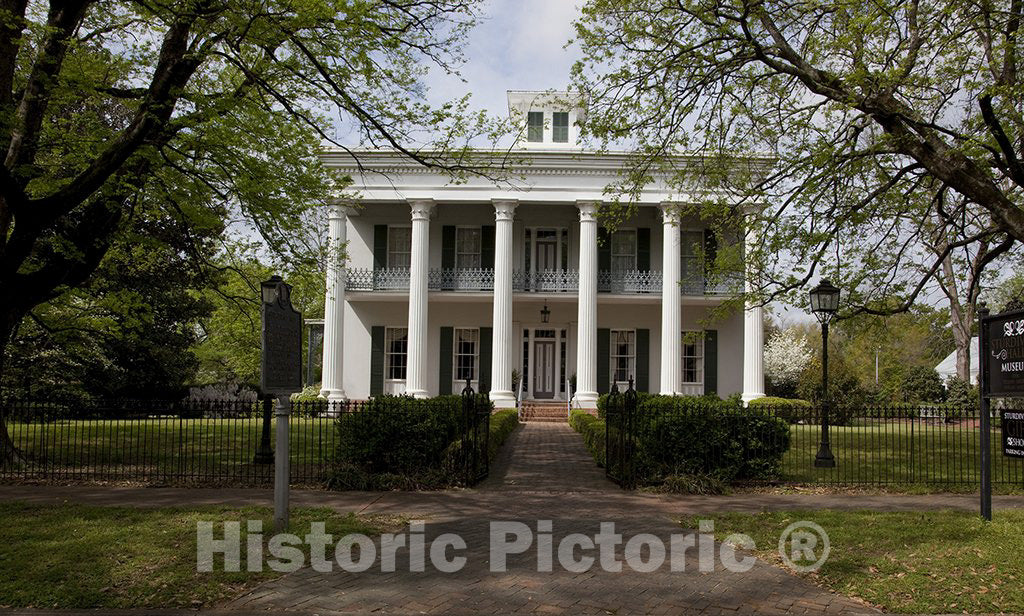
847 395
921 384
593 431
792 410
501 425
602 402
692 484
961 395
678 435
398 436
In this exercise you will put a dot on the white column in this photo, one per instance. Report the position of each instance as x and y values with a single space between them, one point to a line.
753 320
586 346
416 371
501 357
332 384
671 302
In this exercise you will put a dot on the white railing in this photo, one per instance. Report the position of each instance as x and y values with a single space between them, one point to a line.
633 282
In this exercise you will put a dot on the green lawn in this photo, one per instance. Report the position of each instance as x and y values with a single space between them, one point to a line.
936 562
908 453
167 449
73 556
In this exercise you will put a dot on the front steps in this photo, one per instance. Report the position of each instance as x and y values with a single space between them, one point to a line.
547 412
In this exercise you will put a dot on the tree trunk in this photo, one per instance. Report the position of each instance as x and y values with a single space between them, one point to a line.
9 453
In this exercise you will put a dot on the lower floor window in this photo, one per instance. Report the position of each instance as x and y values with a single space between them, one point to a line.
623 354
396 352
693 358
467 349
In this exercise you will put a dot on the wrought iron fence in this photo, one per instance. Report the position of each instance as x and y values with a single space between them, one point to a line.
206 442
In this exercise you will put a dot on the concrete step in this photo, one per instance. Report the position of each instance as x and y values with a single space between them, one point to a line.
553 413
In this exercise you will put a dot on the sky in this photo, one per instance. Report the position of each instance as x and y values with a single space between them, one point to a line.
518 45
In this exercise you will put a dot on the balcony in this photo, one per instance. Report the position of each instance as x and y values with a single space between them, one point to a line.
633 282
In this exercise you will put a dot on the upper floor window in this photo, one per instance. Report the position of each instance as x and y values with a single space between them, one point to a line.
399 247
693 358
691 249
624 250
467 248
467 350
396 349
560 126
535 126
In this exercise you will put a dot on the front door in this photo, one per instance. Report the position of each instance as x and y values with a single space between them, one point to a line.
544 369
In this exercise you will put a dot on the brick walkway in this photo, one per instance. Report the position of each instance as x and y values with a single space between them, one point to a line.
544 473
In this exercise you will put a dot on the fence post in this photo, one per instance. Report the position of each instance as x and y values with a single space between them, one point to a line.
986 419
629 408
468 410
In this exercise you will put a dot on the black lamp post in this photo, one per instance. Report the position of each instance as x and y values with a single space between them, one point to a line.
824 304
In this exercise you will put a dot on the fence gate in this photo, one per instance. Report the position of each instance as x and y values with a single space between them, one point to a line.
476 413
620 425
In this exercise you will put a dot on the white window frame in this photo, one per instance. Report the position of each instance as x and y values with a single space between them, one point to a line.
613 355
560 248
456 354
698 357
391 265
633 256
479 251
389 338
695 255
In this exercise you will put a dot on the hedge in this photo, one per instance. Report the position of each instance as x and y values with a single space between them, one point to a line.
696 436
792 410
398 442
593 430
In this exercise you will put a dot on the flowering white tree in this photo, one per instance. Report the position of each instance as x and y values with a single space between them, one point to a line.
785 356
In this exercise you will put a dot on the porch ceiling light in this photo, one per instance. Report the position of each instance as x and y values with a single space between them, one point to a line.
545 314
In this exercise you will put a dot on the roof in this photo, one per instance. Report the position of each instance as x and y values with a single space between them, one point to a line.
947 367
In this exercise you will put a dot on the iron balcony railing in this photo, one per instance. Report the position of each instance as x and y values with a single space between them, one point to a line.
632 282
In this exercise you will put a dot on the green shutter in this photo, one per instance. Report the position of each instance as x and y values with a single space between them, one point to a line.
376 360
448 247
710 361
604 250
643 249
604 360
710 249
487 246
485 360
643 359
380 247
444 365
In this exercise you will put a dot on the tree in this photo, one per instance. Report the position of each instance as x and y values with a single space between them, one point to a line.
884 127
786 356
212 109
921 384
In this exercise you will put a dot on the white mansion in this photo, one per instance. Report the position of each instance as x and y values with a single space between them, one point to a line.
444 283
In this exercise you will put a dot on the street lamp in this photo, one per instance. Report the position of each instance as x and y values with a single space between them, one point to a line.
824 304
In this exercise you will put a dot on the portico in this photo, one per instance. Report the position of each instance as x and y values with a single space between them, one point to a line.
444 283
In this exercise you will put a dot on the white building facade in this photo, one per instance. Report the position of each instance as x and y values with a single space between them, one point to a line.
444 283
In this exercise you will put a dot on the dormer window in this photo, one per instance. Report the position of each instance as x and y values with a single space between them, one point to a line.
560 126
535 126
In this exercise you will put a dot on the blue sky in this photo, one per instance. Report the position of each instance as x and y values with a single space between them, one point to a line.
518 45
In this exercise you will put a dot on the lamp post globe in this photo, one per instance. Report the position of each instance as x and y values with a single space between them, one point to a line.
824 305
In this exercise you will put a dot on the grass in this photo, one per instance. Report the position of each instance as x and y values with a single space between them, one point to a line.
935 562
900 453
168 449
76 556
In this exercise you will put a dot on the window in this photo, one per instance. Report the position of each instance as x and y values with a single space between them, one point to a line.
560 127
399 247
467 350
467 248
535 126
693 358
691 249
396 352
623 354
624 251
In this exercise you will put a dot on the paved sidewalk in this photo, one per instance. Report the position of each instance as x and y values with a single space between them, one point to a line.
542 473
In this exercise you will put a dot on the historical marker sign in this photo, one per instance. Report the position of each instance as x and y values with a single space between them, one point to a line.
1003 355
281 364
